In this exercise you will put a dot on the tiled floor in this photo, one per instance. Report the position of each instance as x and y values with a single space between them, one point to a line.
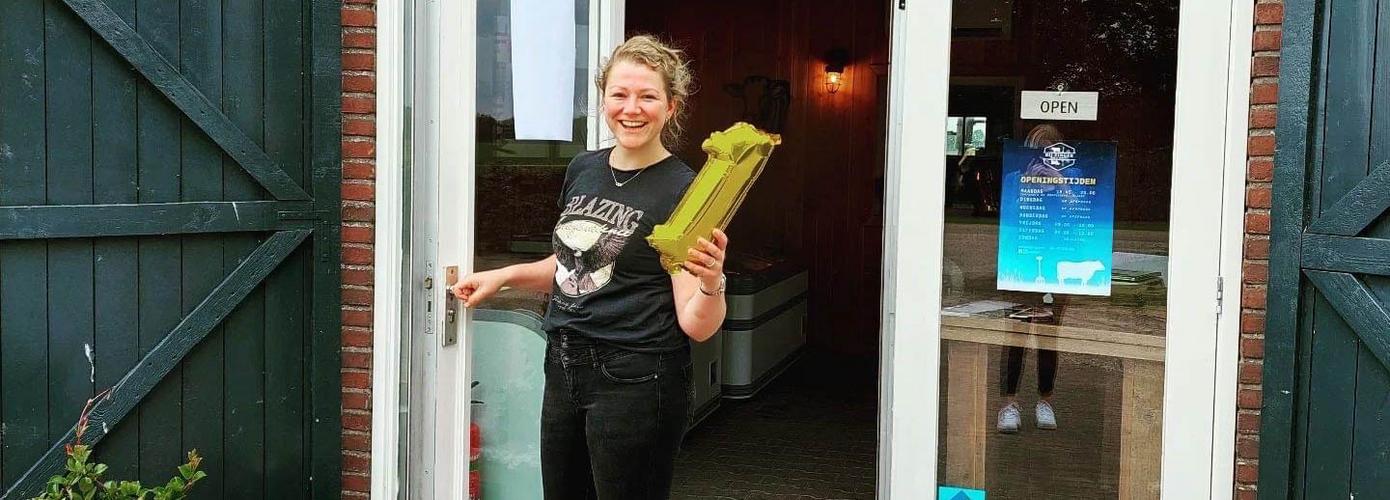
811 434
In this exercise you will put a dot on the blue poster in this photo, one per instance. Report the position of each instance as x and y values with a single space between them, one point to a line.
1057 217
954 493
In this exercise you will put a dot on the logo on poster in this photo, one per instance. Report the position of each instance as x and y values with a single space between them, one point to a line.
1059 156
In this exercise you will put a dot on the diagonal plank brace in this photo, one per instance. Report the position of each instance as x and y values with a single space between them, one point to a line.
1360 207
166 355
1361 310
165 77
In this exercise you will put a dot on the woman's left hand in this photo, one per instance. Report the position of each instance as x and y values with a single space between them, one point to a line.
706 260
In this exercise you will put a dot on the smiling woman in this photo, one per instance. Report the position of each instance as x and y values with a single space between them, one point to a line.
618 367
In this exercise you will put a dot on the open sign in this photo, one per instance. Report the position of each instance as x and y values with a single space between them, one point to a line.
1052 105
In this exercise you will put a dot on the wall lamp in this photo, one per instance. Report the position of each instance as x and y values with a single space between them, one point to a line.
835 61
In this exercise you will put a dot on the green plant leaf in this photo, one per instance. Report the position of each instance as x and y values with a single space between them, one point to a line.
132 489
82 480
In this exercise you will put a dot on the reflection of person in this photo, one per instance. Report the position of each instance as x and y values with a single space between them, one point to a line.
1041 137
964 172
618 366
1011 368
978 181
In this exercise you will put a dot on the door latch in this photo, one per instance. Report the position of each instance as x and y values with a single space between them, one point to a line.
451 310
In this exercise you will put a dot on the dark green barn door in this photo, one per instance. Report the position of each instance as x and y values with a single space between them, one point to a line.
1326 419
169 230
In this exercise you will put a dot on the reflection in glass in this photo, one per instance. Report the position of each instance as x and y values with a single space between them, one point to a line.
1057 395
516 187
518 181
976 126
964 133
407 83
953 135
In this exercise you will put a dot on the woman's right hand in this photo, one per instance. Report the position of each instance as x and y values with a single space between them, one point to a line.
478 287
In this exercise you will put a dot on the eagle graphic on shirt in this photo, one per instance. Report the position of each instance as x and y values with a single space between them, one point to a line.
590 235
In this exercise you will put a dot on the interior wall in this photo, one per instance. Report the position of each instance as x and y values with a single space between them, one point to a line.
819 200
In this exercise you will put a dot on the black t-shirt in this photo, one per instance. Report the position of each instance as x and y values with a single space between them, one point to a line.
609 283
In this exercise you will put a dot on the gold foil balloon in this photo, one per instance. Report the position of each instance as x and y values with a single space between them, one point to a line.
736 157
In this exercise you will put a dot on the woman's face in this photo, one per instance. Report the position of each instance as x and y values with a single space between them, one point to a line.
635 104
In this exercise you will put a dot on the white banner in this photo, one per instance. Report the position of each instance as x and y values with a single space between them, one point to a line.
543 56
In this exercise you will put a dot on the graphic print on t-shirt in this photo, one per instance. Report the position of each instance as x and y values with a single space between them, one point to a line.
591 233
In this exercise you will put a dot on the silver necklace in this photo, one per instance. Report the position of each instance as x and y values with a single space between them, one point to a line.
614 172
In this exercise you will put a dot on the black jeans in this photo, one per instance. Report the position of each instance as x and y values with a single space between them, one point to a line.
1012 369
612 420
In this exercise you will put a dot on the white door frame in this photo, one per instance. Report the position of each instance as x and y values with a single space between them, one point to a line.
1208 150
457 167
1232 249
387 257
607 29
445 52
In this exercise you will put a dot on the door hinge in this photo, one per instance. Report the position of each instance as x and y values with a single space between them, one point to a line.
1220 293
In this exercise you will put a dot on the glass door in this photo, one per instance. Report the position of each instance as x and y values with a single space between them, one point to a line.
529 52
500 100
1059 168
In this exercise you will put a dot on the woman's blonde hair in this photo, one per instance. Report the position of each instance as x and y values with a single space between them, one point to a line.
1042 136
667 61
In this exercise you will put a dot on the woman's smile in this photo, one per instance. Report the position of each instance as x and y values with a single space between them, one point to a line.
636 106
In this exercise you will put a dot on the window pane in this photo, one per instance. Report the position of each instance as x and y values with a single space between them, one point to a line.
977 133
954 127
518 181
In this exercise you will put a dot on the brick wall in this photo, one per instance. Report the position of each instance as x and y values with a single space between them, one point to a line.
359 170
1264 94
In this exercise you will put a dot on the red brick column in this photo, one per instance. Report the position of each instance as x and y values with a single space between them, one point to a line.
358 190
1264 95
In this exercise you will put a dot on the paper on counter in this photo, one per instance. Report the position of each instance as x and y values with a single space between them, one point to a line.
977 307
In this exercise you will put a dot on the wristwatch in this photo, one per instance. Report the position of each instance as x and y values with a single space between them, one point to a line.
723 283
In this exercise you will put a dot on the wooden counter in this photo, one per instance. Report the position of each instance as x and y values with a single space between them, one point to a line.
969 421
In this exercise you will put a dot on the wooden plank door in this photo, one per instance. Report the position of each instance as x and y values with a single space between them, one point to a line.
1326 426
169 231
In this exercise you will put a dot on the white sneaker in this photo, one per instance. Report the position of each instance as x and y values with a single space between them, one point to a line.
1047 418
1009 417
